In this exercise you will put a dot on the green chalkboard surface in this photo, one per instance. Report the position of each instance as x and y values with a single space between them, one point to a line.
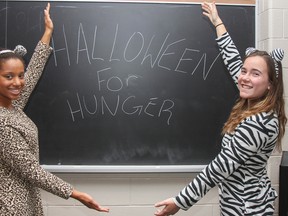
128 83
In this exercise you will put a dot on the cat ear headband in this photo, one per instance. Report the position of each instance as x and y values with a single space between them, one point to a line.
277 55
19 49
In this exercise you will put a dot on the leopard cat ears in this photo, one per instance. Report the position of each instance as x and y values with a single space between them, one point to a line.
19 49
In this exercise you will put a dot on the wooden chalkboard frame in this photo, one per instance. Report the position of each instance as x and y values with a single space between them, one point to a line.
137 168
228 2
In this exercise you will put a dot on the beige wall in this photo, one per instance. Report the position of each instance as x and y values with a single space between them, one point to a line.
135 194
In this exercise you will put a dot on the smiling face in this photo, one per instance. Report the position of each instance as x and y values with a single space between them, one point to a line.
11 81
253 82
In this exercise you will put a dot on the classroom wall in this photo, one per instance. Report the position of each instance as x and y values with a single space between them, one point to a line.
135 194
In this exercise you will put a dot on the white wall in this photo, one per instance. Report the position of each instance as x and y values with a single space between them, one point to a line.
273 33
135 194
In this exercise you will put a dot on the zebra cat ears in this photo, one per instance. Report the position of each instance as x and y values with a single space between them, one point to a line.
277 55
19 49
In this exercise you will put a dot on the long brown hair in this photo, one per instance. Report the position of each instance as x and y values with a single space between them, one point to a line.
272 100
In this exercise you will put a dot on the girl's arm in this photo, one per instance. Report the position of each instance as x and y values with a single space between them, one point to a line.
228 49
37 62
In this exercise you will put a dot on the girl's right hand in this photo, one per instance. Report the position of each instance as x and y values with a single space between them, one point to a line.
88 201
210 10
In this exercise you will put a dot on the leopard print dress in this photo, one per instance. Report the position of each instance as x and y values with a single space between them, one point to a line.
21 175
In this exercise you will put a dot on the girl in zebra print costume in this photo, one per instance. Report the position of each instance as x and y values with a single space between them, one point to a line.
255 126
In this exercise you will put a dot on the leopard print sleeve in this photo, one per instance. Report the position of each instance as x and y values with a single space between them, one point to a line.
19 153
33 72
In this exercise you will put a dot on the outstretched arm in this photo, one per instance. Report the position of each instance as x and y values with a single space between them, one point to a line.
234 153
37 62
228 49
210 10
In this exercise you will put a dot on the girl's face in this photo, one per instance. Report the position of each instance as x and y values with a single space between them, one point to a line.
11 81
253 81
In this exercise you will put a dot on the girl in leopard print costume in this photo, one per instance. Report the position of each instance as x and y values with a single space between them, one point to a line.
21 175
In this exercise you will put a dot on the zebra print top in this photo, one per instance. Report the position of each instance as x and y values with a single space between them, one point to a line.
239 169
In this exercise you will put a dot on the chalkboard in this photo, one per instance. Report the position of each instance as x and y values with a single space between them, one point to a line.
128 83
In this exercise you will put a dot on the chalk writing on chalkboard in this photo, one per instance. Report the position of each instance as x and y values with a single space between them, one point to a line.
136 48
128 83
